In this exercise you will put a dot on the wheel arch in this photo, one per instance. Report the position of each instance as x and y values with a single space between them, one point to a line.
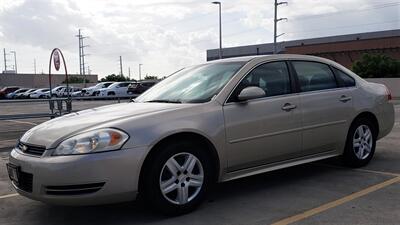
370 116
186 135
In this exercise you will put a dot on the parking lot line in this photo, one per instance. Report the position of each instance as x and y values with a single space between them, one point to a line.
22 122
358 169
337 202
9 195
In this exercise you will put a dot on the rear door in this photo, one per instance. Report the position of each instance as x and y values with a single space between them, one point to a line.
326 107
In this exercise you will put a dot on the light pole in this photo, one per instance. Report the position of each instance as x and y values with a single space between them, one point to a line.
220 29
140 71
15 60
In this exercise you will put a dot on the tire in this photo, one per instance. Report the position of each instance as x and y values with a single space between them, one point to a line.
358 152
158 174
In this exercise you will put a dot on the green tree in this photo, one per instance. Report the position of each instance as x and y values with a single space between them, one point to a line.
113 77
75 80
148 77
376 66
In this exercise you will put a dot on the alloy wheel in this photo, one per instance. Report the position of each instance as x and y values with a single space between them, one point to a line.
181 178
362 142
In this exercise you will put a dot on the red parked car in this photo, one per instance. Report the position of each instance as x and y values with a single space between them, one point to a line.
4 91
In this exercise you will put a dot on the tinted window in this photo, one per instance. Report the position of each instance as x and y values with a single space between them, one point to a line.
314 76
344 80
273 78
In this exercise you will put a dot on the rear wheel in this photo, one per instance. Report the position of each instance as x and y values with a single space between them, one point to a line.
361 143
177 178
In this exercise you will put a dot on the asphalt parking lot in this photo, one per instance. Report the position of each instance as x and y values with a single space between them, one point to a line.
318 193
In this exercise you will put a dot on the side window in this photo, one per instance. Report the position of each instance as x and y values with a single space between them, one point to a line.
344 80
314 76
272 77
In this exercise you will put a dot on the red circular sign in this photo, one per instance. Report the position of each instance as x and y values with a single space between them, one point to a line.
56 60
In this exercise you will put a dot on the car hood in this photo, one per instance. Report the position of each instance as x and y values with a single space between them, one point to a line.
52 132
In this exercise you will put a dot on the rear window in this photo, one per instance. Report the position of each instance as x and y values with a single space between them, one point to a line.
314 76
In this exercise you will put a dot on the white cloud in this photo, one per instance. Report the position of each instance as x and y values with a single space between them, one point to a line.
166 35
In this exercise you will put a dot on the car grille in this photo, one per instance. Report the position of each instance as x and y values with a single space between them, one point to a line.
31 149
25 181
74 189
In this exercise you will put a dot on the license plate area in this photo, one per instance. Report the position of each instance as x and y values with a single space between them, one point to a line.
13 172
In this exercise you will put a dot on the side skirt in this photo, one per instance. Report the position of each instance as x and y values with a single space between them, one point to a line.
277 165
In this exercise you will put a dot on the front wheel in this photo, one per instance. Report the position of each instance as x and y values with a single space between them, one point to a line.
178 178
361 143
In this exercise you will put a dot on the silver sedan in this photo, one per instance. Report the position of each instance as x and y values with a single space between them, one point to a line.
209 123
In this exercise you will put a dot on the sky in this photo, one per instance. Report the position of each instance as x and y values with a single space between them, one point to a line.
167 35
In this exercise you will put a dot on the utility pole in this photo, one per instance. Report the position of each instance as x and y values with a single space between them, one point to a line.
15 61
129 72
276 20
34 65
5 60
82 68
140 71
120 66
220 30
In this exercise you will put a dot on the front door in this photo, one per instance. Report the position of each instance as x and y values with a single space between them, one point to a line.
267 129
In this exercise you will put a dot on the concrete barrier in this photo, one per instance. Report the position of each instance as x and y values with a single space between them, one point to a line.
392 83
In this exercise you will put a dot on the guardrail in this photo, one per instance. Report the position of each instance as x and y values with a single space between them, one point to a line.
57 106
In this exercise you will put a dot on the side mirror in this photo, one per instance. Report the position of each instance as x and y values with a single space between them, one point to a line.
251 93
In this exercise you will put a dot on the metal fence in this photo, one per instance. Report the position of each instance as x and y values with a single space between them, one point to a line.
57 106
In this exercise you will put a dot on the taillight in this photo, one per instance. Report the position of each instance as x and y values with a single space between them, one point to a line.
388 94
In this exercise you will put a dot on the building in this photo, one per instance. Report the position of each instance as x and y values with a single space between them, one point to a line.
344 49
39 80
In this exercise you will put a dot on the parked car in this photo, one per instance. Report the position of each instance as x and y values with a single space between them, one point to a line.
77 94
141 86
39 93
91 91
214 122
64 93
116 89
25 94
55 92
12 94
6 90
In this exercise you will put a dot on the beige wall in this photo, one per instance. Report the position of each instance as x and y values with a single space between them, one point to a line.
38 80
392 83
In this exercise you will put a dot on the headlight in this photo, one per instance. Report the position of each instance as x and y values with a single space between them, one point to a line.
106 139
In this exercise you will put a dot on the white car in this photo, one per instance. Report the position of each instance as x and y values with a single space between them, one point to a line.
91 91
24 94
64 93
39 93
77 94
115 89
55 91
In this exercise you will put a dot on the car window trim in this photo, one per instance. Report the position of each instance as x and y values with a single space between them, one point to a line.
291 81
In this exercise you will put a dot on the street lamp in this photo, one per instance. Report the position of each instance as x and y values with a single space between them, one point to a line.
140 71
15 60
220 29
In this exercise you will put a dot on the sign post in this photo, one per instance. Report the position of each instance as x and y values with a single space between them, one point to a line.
55 55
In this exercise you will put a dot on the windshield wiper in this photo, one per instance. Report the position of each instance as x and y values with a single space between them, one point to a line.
164 101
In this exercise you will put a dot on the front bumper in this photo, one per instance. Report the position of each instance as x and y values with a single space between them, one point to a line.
118 171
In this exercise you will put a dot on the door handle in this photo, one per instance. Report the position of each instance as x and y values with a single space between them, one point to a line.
288 107
344 98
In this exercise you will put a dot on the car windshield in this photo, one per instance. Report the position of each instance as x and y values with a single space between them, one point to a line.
196 84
